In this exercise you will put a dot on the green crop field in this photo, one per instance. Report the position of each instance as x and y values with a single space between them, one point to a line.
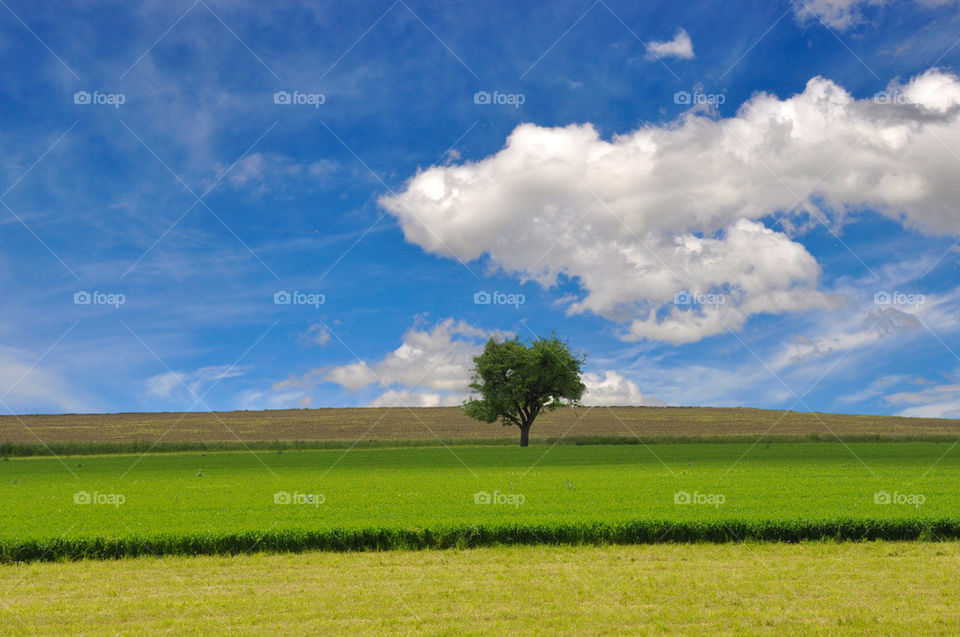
113 505
295 540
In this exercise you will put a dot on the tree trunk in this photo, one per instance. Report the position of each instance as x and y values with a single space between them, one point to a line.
525 435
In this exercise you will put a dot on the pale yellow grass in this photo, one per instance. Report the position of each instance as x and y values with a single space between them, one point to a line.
774 589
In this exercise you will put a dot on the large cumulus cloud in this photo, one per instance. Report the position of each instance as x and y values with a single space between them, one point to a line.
702 205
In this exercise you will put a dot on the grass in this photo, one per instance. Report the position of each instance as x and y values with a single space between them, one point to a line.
193 503
211 544
729 589
461 537
22 450
416 425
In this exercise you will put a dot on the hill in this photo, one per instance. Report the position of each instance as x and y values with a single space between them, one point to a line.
401 425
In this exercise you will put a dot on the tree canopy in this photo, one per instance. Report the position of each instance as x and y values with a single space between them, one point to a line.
515 381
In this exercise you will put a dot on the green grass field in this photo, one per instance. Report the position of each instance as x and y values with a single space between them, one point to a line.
727 589
639 538
417 490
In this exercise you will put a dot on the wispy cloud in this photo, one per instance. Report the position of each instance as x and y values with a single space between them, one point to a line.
681 47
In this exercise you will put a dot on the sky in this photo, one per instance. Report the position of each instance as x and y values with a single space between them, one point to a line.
212 205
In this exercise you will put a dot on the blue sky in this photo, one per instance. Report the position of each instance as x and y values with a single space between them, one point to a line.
720 204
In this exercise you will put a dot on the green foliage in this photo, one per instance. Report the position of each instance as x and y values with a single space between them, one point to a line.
425 498
13 450
516 381
473 536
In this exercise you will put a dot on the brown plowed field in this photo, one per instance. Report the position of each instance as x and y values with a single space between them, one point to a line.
449 423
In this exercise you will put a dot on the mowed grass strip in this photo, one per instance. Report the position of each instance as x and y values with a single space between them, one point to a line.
68 432
731 589
370 499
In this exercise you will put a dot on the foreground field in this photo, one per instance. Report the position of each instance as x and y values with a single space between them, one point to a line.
772 589
509 494
348 426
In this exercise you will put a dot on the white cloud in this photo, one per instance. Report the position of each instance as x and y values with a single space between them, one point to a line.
882 331
408 398
316 334
843 14
610 388
837 14
717 381
673 208
254 399
262 172
851 331
438 359
679 47
27 385
939 401
876 388
250 168
191 385
432 368
352 377
826 350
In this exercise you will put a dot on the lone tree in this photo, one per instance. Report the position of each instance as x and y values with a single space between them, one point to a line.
516 381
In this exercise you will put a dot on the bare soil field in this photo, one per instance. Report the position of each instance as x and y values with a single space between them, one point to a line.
450 424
